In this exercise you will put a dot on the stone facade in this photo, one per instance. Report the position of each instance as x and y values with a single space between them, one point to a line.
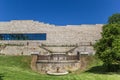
62 48
52 62
56 35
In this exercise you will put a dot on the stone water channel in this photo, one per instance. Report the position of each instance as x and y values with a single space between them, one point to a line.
56 63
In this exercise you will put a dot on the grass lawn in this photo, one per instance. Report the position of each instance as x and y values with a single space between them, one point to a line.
18 68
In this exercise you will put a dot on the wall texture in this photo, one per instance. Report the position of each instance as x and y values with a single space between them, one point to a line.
56 35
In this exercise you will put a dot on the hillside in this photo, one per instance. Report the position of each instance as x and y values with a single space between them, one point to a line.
18 68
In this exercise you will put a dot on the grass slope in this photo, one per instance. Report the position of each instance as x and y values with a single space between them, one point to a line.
18 68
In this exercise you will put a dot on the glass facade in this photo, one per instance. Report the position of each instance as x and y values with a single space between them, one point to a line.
26 36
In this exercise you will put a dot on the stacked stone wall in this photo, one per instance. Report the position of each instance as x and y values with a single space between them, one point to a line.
56 35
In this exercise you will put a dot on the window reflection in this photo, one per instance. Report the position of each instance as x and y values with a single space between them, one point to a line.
34 36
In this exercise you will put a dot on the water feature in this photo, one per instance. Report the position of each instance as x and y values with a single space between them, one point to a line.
58 61
57 72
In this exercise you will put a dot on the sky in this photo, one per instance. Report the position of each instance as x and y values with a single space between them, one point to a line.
59 12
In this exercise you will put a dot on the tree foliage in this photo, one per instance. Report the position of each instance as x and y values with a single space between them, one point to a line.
108 47
115 18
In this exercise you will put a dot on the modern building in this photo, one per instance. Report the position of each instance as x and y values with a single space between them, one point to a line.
33 34
26 37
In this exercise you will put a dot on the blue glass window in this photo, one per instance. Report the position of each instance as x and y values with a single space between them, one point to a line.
27 36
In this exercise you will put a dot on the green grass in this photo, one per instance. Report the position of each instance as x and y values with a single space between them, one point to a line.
18 68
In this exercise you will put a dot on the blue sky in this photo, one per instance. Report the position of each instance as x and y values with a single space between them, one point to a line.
59 12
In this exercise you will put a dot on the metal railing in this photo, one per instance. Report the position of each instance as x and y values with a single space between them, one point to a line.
59 57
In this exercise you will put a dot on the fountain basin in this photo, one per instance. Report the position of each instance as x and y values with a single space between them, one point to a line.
57 73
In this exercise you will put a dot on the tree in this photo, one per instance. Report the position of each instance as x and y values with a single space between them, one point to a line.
115 18
108 47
